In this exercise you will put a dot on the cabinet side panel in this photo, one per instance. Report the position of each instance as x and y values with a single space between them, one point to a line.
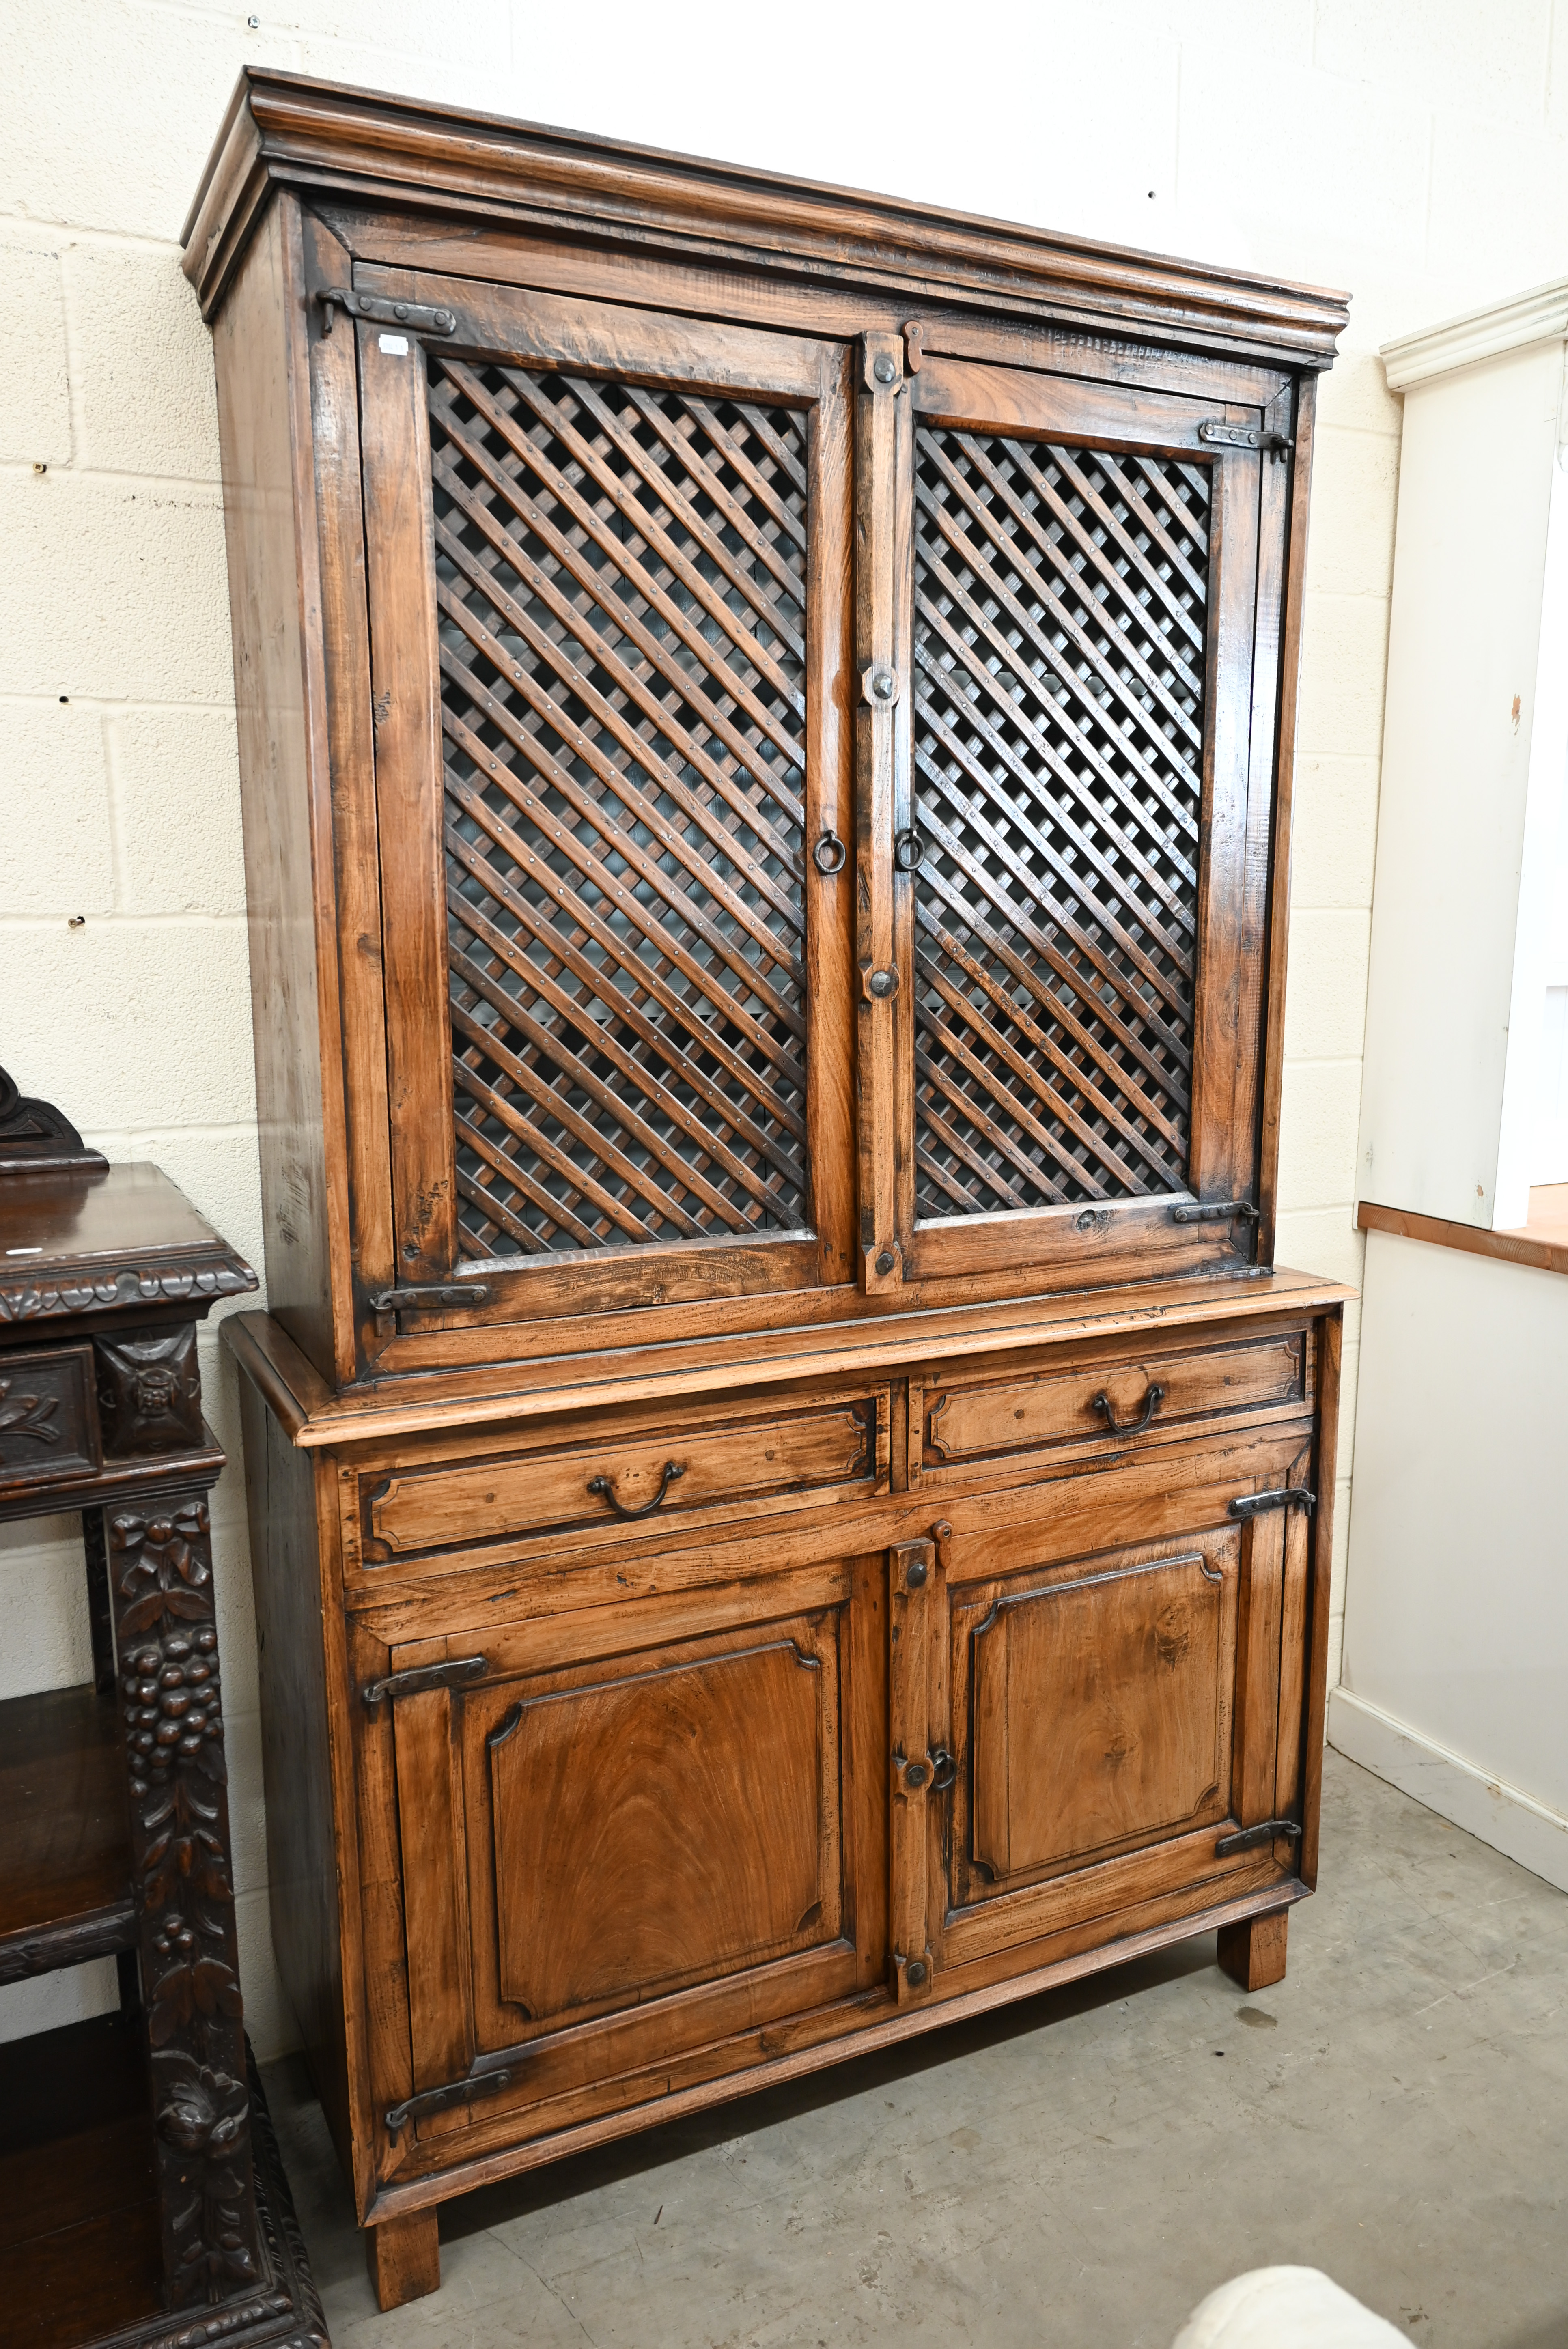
302 1864
251 340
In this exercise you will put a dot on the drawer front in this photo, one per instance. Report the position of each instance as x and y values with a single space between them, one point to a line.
48 1417
605 1482
1137 1396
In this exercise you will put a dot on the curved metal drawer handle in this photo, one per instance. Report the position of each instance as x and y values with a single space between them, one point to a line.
1151 1403
603 1486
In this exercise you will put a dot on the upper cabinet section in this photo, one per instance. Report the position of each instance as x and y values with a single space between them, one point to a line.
765 721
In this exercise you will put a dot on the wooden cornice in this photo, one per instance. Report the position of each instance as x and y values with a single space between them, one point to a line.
284 130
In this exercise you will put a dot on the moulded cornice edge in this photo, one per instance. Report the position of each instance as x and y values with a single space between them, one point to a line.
1539 315
287 130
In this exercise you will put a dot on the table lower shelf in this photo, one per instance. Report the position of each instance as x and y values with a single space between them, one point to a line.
64 1858
80 2234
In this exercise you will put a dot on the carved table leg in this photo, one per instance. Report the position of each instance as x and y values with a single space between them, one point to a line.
161 1588
404 2256
1254 1952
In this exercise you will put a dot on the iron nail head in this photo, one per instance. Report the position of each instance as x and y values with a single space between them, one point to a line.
883 369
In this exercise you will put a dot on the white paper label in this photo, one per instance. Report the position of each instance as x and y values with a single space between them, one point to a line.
396 346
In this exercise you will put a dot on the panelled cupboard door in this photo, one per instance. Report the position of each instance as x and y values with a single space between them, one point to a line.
607 563
626 1834
1067 786
1102 1731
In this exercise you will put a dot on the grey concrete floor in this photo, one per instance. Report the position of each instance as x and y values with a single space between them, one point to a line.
1077 2171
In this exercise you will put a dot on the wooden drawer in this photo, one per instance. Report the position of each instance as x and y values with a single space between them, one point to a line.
622 1477
1139 1395
48 1417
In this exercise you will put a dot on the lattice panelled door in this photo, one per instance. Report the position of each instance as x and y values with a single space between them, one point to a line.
1068 733
624 621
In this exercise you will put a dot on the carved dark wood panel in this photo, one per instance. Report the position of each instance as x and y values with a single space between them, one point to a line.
148 1391
1060 618
48 1428
161 1570
622 592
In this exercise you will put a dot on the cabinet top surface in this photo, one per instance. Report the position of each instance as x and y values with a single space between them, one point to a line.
313 1416
286 129
97 1243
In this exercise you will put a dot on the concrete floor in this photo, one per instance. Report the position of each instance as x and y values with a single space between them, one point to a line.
1076 2172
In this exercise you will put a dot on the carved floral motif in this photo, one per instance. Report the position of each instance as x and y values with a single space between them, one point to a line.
162 1578
148 1391
27 1415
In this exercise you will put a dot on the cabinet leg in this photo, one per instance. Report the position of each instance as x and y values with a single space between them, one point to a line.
404 2256
1254 1952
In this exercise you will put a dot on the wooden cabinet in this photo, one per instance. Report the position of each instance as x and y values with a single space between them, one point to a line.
781 1463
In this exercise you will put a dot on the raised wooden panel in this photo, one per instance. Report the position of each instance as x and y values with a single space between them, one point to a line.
967 1422
659 1827
48 1417
592 1483
1100 1715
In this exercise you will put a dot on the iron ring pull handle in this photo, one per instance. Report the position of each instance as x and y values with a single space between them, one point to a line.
1151 1403
606 1489
944 1769
830 855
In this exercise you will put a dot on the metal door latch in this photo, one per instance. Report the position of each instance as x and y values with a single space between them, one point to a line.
1221 435
441 2100
382 310
1288 1496
1253 1839
419 1677
1215 1211
438 1296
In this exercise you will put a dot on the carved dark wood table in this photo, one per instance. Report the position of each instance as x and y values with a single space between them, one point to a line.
140 2198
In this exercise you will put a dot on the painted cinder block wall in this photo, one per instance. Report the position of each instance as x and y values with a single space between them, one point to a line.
1410 150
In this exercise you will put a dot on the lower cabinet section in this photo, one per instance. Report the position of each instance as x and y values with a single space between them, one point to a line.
614 1852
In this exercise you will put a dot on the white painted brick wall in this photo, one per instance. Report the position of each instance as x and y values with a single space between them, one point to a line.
1415 151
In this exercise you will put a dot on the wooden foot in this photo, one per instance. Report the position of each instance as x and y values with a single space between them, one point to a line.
1254 1952
404 2256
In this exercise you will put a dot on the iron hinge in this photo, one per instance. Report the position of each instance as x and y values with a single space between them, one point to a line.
1221 435
419 1677
438 1296
384 310
1253 1839
1216 1211
1288 1496
441 2100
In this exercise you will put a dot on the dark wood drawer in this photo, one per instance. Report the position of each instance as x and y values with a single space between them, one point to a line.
975 1420
619 1477
48 1417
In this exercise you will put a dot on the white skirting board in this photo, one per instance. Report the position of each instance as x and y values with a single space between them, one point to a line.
1496 1813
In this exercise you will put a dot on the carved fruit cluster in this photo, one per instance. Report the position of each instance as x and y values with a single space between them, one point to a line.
173 1700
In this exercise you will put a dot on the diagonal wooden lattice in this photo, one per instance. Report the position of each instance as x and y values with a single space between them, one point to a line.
620 575
1060 624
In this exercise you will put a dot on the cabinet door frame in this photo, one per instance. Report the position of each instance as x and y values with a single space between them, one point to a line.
1159 1515
1230 1026
422 1763
510 326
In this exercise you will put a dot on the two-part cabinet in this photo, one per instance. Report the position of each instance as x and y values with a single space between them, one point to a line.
789 1497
